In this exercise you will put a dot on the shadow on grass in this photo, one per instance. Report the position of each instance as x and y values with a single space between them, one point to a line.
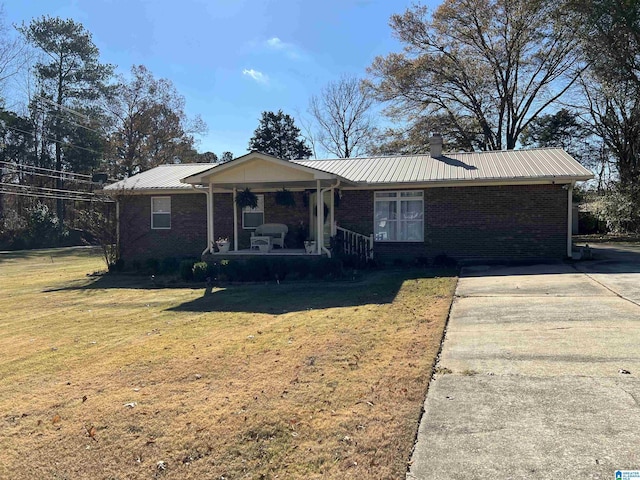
377 287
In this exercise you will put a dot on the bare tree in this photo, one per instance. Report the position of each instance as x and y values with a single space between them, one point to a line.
342 114
496 64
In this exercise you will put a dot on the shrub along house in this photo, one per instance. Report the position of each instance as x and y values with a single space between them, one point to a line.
489 205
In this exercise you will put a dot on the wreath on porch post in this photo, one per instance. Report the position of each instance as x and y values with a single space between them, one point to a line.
246 198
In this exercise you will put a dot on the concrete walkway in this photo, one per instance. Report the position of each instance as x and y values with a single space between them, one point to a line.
530 382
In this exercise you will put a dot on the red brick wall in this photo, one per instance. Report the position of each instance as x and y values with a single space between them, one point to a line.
186 238
464 222
474 222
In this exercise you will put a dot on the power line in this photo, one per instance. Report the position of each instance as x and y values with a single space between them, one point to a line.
55 197
33 134
49 176
74 192
42 169
62 107
41 108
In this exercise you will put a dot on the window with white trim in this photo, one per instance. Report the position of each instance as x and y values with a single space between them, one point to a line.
160 213
399 216
253 217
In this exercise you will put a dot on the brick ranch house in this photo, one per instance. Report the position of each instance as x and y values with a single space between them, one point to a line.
486 205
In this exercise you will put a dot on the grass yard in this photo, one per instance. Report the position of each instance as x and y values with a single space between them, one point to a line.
109 378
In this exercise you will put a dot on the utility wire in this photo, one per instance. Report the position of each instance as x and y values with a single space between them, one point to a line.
33 134
43 169
55 197
20 185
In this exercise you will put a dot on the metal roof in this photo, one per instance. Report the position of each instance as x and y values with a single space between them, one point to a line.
516 166
162 177
521 165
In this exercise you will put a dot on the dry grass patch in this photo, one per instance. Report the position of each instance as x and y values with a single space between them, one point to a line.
102 379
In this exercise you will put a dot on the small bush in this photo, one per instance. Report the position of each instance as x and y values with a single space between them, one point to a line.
186 269
300 268
328 268
444 261
422 262
589 223
152 266
280 270
200 271
169 265
117 266
257 269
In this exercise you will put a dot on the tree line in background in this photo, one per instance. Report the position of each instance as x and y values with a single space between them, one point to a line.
486 74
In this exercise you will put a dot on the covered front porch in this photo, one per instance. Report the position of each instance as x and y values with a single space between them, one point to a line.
310 224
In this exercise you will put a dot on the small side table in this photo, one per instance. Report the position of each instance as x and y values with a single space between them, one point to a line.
263 243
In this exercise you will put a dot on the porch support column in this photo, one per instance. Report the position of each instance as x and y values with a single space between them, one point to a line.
569 220
235 221
320 220
210 234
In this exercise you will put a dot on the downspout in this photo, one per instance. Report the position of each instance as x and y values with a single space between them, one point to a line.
569 219
322 192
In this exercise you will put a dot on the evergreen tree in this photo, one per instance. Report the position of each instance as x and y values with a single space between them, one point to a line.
278 135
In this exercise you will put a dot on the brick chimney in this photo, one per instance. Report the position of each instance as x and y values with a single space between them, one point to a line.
435 145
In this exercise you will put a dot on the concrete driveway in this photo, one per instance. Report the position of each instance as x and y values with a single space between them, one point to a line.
531 380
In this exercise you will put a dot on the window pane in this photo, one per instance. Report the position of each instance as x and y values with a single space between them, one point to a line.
161 204
161 220
252 220
411 231
416 193
385 224
411 209
386 194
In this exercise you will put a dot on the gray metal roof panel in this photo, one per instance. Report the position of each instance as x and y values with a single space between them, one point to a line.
478 166
517 165
161 177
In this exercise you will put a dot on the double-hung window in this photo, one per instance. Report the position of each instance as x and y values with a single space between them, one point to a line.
399 216
253 217
160 213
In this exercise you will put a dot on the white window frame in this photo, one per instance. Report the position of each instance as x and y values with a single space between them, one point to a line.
154 213
415 195
259 209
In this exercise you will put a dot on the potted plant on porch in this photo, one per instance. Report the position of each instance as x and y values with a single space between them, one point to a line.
223 244
310 246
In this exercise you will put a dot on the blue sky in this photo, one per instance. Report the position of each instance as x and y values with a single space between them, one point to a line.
233 59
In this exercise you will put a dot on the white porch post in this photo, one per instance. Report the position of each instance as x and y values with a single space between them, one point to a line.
235 221
569 220
210 236
320 220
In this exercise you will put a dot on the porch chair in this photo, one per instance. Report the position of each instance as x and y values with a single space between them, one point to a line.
277 232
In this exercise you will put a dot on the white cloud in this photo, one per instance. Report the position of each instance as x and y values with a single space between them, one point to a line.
276 43
256 75
290 50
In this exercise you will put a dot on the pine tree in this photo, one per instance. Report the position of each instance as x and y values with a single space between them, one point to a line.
278 135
